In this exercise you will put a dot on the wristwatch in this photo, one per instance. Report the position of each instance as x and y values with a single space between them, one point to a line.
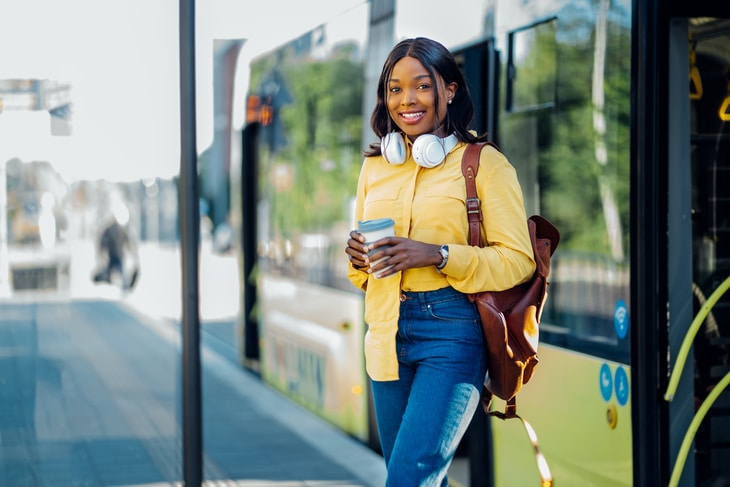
444 251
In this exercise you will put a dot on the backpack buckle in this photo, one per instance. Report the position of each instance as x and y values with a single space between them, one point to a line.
473 206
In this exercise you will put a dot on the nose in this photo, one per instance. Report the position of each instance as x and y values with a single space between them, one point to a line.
409 97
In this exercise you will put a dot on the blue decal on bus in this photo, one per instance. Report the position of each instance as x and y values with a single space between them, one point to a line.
621 319
621 381
605 380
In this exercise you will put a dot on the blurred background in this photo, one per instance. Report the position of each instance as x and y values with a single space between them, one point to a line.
89 121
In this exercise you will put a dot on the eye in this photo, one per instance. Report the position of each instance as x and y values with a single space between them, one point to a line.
424 86
394 89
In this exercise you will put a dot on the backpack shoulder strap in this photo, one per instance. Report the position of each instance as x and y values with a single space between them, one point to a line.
470 168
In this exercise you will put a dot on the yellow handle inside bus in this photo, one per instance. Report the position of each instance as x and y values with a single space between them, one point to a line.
689 338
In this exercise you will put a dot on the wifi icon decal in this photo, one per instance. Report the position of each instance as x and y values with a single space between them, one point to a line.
621 319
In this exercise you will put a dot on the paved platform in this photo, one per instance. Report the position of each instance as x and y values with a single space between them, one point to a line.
90 388
89 396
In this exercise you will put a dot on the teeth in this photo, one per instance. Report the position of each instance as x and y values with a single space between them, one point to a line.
411 115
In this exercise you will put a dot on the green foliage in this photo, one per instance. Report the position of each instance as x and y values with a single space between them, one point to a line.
322 126
563 131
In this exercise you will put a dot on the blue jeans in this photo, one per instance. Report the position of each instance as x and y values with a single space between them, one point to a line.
423 415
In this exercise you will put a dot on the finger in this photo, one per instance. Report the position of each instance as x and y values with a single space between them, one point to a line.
386 271
383 242
357 247
351 247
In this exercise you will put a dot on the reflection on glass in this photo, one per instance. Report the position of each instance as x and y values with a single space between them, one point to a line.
308 97
568 135
88 367
532 67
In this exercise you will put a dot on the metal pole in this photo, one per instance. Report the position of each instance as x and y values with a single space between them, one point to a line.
189 238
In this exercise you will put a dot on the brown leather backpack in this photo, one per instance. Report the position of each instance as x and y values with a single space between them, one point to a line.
509 318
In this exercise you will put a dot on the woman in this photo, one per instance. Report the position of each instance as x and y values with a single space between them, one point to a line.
424 349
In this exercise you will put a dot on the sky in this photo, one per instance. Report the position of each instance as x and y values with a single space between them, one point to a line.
122 61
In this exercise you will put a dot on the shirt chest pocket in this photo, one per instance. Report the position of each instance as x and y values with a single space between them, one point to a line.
446 193
381 202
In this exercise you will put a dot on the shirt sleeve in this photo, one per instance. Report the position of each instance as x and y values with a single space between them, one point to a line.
507 259
359 277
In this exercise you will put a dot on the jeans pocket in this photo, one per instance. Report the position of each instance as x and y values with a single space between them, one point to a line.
457 311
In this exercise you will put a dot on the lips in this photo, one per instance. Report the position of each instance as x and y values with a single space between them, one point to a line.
411 118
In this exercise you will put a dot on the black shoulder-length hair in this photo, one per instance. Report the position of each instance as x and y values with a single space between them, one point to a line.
437 60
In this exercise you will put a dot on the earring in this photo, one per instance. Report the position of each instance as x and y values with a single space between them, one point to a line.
449 101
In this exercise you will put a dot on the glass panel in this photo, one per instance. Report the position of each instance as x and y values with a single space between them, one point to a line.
532 67
89 251
306 100
309 97
573 161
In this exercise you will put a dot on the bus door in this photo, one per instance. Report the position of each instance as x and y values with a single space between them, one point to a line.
681 169
698 156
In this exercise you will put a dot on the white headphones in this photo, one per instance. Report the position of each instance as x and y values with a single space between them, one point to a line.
428 150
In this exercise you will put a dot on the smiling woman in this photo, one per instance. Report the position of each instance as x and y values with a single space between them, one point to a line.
423 400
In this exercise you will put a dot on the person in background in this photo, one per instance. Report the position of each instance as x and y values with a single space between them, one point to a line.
424 345
118 250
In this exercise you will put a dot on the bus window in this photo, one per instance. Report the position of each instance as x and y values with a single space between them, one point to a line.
569 141
531 67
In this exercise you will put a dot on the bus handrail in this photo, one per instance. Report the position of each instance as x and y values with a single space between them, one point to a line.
694 426
689 338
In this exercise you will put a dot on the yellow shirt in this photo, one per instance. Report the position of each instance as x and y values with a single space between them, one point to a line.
428 205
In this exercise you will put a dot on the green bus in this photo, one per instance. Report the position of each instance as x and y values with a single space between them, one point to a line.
615 114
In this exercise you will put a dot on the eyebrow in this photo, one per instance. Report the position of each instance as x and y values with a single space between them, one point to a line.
419 77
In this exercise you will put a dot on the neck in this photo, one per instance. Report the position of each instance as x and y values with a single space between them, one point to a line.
439 131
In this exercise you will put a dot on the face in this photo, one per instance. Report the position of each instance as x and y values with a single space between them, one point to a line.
412 98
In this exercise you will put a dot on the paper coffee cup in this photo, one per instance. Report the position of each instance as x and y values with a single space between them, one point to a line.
374 230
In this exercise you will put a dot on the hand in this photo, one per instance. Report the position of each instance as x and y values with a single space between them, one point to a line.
357 251
402 253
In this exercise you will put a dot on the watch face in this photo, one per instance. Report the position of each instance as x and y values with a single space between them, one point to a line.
444 251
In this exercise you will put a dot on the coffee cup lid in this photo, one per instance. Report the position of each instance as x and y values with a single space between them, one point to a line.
375 225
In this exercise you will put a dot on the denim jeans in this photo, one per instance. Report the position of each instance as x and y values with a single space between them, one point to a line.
423 415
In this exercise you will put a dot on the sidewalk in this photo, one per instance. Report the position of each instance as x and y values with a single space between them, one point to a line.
106 411
284 439
255 433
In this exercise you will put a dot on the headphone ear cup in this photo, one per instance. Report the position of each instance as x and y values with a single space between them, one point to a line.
428 151
393 148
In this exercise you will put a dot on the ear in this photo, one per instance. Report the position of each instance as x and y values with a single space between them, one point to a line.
451 89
